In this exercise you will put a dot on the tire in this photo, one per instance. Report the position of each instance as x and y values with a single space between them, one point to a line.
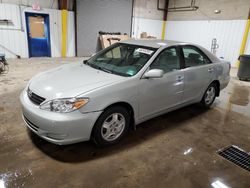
111 126
207 100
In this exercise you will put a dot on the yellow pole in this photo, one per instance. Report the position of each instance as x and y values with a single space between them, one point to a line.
245 36
164 23
64 32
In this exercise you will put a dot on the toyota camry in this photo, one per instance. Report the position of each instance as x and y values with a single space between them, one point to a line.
120 86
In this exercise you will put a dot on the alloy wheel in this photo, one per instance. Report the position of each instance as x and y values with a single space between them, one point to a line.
113 127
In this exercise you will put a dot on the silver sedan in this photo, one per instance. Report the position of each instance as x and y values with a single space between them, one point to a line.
121 86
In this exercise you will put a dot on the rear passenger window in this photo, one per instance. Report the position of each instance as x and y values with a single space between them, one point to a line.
167 61
194 57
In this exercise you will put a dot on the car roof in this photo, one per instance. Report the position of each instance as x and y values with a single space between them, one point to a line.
153 43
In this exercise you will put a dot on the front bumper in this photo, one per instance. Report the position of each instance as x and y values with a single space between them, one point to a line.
58 128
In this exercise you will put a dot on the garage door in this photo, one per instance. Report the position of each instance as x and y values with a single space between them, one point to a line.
100 15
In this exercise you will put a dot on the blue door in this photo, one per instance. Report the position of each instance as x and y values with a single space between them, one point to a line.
38 34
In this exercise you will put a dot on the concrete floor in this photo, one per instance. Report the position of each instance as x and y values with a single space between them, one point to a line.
174 150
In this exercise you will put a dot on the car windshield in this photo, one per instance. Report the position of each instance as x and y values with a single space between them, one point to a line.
122 59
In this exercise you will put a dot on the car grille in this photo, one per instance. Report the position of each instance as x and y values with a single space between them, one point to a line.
36 99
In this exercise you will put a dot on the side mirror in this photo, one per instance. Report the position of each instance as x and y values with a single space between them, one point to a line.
85 61
154 73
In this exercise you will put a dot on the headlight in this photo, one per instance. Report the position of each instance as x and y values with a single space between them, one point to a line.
64 105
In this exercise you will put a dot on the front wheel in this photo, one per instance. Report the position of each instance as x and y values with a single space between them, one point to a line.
209 95
111 126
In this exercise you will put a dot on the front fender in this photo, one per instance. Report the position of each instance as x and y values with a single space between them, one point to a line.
125 91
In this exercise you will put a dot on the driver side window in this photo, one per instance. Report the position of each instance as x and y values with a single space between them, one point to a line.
167 60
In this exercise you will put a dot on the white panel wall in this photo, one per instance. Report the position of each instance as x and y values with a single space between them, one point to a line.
228 33
11 36
15 39
247 50
152 27
52 4
55 31
71 35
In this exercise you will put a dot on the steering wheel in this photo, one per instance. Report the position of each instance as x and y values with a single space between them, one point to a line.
138 66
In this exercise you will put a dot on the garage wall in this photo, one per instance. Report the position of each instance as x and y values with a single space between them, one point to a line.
147 9
203 25
152 27
14 36
146 18
230 10
247 50
71 51
228 33
51 4
199 26
100 15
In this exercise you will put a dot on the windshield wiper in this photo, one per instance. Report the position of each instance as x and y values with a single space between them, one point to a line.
105 70
100 68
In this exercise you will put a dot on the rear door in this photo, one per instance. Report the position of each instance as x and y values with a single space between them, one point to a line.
198 72
159 94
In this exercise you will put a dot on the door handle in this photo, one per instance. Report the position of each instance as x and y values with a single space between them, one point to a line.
210 70
179 78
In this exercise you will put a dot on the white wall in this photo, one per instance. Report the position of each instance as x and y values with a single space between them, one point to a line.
52 4
11 36
230 10
71 35
148 9
247 50
15 39
229 34
152 27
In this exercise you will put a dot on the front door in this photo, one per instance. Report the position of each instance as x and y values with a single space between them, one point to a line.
159 94
38 34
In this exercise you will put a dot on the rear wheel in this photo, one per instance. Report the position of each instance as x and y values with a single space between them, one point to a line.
209 95
111 126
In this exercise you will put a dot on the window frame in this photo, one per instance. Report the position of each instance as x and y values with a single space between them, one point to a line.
199 51
178 53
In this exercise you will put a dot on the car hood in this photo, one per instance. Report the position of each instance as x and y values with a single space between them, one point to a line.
70 80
